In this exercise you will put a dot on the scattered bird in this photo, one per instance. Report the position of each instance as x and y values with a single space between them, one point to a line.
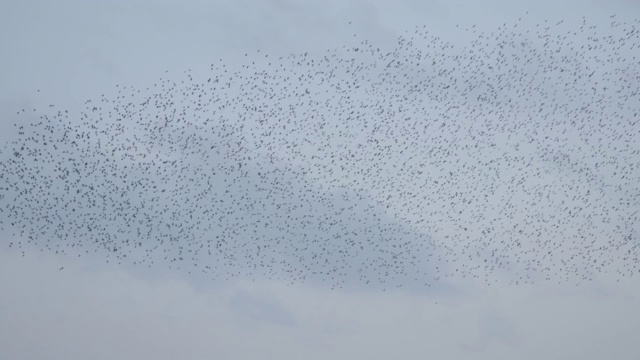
513 157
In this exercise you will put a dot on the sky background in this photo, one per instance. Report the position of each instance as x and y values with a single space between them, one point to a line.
66 52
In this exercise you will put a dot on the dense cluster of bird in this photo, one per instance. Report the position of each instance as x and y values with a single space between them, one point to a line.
515 156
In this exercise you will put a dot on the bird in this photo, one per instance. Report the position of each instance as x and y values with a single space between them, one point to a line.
512 158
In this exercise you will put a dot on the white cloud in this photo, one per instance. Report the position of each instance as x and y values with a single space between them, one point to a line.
87 311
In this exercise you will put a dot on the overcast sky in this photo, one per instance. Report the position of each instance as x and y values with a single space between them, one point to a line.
58 55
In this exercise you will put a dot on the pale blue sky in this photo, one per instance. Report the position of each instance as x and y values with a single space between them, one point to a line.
63 53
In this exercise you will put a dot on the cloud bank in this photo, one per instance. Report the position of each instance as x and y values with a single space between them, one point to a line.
63 307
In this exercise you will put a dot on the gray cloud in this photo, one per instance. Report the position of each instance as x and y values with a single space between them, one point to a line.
74 51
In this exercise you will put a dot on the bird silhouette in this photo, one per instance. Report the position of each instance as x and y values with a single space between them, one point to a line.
513 157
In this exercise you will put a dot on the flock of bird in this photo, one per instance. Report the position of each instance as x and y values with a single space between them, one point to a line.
515 157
